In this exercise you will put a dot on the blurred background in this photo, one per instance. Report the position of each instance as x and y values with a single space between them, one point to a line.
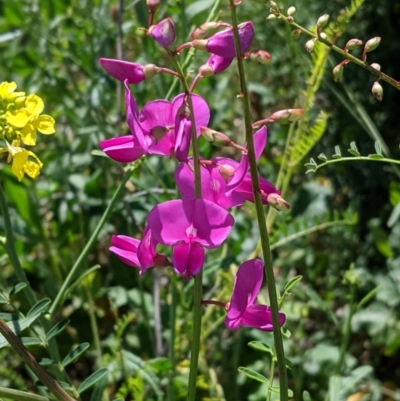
52 47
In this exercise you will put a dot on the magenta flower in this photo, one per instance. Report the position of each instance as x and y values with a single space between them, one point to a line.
133 73
163 32
189 226
223 44
242 311
214 65
126 249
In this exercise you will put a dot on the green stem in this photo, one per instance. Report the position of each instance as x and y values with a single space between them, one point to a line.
283 383
91 241
32 363
12 394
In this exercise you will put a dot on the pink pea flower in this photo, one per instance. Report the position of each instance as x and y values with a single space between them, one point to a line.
163 32
133 73
214 65
189 226
223 43
126 249
242 310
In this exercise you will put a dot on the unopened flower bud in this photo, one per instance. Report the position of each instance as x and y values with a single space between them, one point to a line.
163 32
260 56
226 171
289 19
152 5
205 30
323 21
273 5
377 91
277 202
214 65
323 36
271 17
353 44
124 70
215 137
372 44
296 34
376 66
291 11
309 46
337 72
286 116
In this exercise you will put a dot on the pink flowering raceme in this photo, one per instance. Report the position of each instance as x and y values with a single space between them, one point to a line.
189 226
242 310
223 44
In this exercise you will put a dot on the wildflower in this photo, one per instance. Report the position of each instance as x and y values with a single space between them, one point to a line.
242 310
214 65
189 226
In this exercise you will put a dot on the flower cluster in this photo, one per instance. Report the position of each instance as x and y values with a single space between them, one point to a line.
166 128
20 120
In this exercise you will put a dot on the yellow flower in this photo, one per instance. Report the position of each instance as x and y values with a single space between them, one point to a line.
6 88
21 164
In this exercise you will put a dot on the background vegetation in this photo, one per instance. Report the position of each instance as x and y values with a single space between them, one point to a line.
52 48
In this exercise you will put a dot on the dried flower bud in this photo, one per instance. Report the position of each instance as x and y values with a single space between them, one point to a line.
215 137
375 66
271 17
353 44
149 70
260 56
309 46
205 30
322 21
337 72
152 5
296 34
163 32
377 91
372 44
291 11
289 19
277 202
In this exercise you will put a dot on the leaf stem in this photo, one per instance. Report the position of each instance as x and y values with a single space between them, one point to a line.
283 383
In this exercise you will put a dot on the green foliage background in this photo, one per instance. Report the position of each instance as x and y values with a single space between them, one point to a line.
52 48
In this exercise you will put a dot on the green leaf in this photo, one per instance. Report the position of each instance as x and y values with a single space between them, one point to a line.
310 171
291 283
394 216
16 289
39 307
338 153
353 149
8 316
261 347
3 300
80 349
276 389
58 328
45 361
322 157
92 380
378 148
64 385
27 341
253 374
285 332
17 325
376 157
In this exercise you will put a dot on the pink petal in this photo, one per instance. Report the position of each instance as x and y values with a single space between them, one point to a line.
163 32
188 259
126 249
260 317
147 250
122 149
182 138
123 70
218 63
239 176
245 188
200 107
165 146
223 44
157 113
260 141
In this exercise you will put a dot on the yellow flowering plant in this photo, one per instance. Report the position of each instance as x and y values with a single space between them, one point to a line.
20 120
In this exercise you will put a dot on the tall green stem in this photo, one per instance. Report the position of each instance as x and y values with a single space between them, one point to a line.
283 384
56 303
171 349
